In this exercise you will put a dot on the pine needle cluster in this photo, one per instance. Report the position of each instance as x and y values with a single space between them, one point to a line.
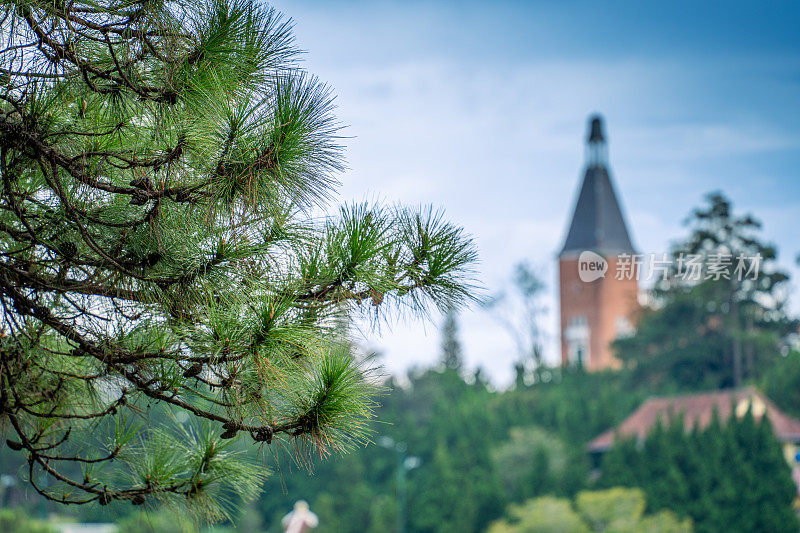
160 161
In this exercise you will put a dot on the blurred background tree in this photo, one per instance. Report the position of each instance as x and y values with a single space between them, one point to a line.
618 509
726 477
781 382
520 312
720 324
163 521
452 355
532 462
18 521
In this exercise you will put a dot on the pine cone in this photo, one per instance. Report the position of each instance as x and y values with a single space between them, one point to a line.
69 249
193 370
139 198
263 435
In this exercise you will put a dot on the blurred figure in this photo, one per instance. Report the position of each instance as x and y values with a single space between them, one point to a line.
300 519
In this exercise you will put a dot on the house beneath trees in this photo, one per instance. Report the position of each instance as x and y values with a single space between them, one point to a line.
698 410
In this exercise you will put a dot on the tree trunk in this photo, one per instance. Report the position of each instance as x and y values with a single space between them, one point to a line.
749 347
737 342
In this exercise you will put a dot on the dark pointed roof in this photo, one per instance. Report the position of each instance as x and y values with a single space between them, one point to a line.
597 222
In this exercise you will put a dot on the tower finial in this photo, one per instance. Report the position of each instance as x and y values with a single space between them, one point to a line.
596 129
597 151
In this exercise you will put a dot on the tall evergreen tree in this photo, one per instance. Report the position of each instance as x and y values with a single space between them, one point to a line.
160 164
724 296
451 345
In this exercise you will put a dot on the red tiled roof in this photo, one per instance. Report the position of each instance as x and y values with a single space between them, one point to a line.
698 409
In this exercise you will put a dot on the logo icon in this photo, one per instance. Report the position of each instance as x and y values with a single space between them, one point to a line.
591 266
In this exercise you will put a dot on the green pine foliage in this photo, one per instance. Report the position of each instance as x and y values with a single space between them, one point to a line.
167 284
726 477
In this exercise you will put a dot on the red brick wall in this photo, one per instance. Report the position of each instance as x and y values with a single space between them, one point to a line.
601 301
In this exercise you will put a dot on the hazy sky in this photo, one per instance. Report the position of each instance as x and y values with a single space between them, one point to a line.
481 108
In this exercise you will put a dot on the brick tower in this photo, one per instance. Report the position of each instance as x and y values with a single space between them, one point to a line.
594 313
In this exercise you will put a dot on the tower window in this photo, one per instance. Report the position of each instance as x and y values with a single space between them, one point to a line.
576 336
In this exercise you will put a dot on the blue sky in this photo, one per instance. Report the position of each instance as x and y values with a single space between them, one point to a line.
481 108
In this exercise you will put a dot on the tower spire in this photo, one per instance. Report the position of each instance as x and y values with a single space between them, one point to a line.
596 147
597 220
